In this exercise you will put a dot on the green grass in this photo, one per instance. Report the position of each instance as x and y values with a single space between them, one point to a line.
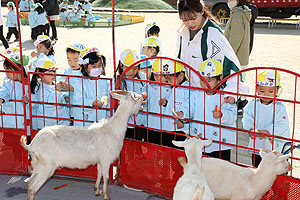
134 4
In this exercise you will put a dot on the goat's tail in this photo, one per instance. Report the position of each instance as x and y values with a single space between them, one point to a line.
24 141
198 193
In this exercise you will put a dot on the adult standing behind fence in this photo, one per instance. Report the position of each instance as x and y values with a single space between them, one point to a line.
4 42
200 38
237 30
254 14
52 9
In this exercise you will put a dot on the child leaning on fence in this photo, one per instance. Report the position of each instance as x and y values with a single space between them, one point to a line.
47 95
90 91
12 97
209 107
266 116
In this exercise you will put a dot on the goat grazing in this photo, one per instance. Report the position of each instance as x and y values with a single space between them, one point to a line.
79 147
192 185
230 181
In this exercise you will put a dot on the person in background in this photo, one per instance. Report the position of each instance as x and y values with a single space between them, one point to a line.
152 30
63 4
266 116
12 22
2 38
87 5
52 9
90 17
33 23
75 4
24 6
42 21
254 14
63 15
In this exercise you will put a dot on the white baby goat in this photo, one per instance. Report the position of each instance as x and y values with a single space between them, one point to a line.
79 147
192 185
230 181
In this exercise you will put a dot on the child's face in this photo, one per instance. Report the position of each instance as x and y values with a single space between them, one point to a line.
40 48
267 91
148 51
132 72
160 77
73 59
91 67
147 71
48 77
154 34
12 76
172 79
9 8
212 82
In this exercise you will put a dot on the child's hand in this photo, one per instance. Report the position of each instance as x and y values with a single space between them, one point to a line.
263 132
25 99
98 103
217 113
177 115
229 99
67 99
67 87
162 102
58 86
179 124
34 54
1 102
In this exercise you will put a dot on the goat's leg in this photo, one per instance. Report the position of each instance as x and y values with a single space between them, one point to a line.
105 172
97 184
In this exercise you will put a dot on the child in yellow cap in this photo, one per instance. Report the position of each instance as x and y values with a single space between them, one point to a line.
44 90
208 107
152 30
262 116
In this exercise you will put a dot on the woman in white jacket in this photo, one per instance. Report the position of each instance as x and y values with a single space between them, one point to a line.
200 38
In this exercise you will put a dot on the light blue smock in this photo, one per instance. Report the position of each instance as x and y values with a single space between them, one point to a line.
202 108
179 97
47 93
75 4
155 93
63 5
86 91
42 19
32 19
24 6
63 16
11 19
91 18
87 6
74 17
265 120
7 92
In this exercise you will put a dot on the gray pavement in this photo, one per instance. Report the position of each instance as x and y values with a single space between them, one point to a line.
74 190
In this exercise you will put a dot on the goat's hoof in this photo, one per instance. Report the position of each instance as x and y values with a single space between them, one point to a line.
98 192
181 160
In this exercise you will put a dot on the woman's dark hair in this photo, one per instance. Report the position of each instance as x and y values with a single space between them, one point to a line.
40 10
120 71
48 44
10 66
189 8
35 79
241 2
93 57
153 30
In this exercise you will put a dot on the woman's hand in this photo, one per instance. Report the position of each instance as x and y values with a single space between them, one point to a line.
229 99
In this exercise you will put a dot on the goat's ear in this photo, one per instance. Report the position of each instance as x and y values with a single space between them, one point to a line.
283 158
263 152
178 143
117 94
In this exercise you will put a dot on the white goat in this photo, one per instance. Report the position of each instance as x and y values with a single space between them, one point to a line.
79 147
192 185
230 181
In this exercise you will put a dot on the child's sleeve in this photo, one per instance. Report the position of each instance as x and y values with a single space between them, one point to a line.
248 118
229 113
281 122
5 91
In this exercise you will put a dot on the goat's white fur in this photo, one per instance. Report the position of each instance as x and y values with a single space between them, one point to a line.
230 181
79 147
192 185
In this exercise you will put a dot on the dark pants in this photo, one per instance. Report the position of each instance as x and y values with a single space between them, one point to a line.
34 33
257 160
43 29
225 154
53 28
12 30
3 40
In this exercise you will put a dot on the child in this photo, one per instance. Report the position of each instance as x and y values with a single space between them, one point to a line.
75 4
150 48
63 15
32 19
90 17
44 46
43 90
24 6
269 118
177 101
63 4
208 107
43 23
152 30
86 5
12 22
12 97
75 15
91 91
156 91
80 9
127 58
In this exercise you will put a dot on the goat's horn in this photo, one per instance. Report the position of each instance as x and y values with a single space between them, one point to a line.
120 92
187 136
199 135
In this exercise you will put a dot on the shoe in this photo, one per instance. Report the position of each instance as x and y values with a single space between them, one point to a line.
240 112
242 104
53 38
16 40
7 39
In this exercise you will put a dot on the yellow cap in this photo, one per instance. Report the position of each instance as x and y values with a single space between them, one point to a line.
211 67
46 63
76 47
128 57
152 42
166 66
267 78
156 66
